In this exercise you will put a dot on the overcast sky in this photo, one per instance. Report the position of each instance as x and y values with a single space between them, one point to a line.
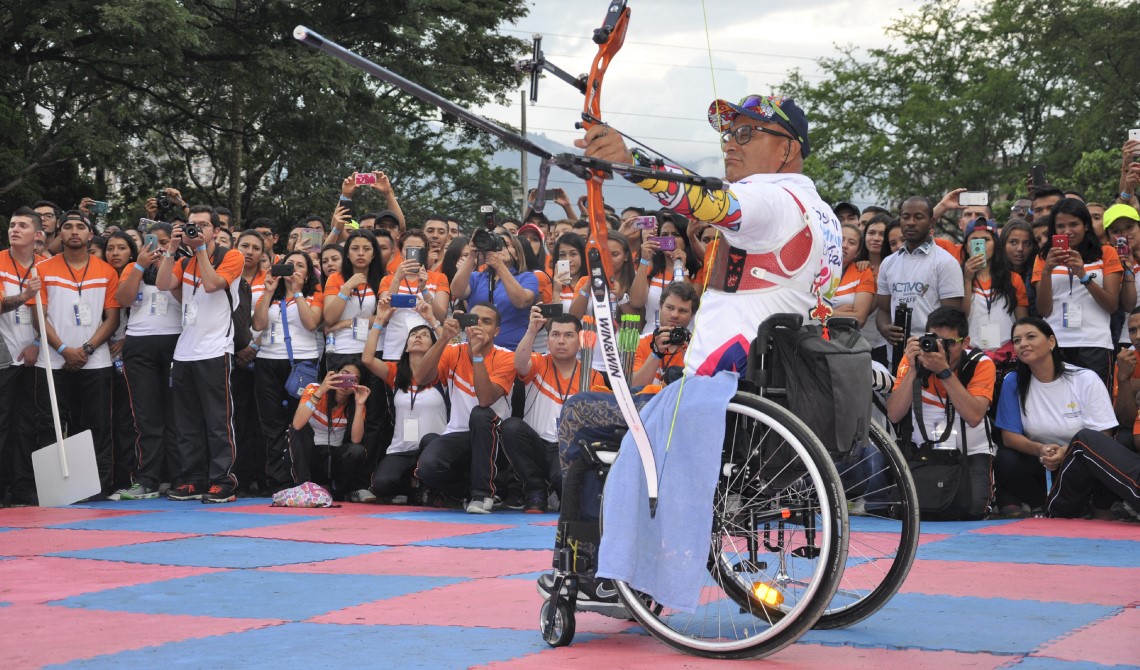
660 85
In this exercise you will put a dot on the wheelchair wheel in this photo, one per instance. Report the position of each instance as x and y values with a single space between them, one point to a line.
779 541
884 536
559 631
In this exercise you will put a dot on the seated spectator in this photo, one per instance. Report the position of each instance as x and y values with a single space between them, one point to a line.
1043 404
530 442
1095 471
420 411
461 462
657 352
953 407
318 451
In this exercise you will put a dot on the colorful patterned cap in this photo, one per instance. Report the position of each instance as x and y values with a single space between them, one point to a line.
769 108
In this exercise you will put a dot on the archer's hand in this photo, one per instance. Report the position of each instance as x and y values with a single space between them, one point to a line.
603 143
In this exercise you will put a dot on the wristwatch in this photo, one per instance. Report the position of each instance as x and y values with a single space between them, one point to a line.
944 375
88 349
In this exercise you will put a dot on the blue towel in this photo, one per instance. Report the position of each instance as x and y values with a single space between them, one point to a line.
667 556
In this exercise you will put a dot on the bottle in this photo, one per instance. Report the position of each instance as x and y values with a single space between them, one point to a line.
678 270
118 361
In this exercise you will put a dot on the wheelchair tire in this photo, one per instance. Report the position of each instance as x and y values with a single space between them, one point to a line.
773 468
561 632
882 543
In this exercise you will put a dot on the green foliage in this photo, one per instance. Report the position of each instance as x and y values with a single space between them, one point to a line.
974 97
218 100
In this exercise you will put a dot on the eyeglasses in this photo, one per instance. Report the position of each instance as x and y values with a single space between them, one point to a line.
949 342
743 135
47 215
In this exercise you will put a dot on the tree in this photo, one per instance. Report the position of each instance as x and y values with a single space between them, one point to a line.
974 97
220 101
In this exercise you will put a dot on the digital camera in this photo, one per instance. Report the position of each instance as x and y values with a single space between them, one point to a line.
485 240
191 230
929 343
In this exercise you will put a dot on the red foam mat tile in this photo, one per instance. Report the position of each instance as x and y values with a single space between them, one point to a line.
641 652
37 635
37 517
342 509
42 579
1023 581
485 603
36 541
1086 528
365 530
431 562
1111 641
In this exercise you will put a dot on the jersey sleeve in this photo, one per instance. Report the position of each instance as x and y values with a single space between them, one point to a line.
882 283
1098 406
1038 270
982 383
904 366
866 282
502 372
440 281
232 265
333 285
448 361
1019 289
545 287
950 283
645 350
386 283
1009 408
110 300
1111 260
538 366
307 394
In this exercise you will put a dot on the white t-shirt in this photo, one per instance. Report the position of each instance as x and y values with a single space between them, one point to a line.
1076 319
1057 410
991 318
75 301
420 411
153 312
546 391
306 343
16 326
207 320
922 279
358 311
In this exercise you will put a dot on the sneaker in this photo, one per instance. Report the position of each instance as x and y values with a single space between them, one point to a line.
1011 512
399 500
481 505
554 502
1122 511
514 501
435 499
535 503
219 494
134 492
601 596
361 496
184 492
858 507
546 585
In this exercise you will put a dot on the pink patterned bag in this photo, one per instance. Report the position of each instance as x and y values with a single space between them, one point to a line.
305 495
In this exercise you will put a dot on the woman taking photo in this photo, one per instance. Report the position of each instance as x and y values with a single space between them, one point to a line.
856 292
657 269
1044 402
623 263
350 298
416 281
1078 288
419 411
120 253
569 267
289 334
504 282
328 413
997 296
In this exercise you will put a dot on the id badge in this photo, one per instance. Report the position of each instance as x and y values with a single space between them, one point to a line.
276 333
189 314
989 336
411 430
951 441
82 314
24 315
360 326
158 304
1070 315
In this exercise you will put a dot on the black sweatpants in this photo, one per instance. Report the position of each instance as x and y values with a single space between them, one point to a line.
1096 359
393 474
533 458
146 366
276 408
250 463
378 426
84 401
333 466
1096 468
17 412
1020 478
462 465
203 415
124 435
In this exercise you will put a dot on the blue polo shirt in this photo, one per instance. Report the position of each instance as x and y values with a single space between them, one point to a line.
513 321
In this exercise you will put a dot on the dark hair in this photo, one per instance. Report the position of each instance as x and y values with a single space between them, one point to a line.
48 203
692 262
160 225
206 209
413 232
37 221
1089 248
1007 231
1001 280
640 210
537 218
877 210
581 223
334 246
865 253
925 201
404 375
1076 194
134 248
223 211
100 243
1024 376
949 317
262 222
490 306
565 317
574 241
683 291
311 281
376 269
451 255
1046 191
312 217
535 262
891 225
625 275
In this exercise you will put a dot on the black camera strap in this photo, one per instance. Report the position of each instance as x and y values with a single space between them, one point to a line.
916 406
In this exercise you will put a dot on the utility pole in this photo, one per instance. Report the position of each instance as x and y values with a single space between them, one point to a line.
522 154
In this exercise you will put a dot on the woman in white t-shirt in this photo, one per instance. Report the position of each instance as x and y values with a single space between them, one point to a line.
421 412
1044 402
997 295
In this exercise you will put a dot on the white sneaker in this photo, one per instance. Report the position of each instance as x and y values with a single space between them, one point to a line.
483 506
858 507
135 492
362 496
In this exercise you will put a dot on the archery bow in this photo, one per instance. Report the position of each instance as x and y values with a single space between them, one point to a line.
609 39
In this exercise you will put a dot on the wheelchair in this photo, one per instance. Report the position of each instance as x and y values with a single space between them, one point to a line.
781 558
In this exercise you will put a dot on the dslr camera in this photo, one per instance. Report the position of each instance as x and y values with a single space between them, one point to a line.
930 343
485 240
163 203
677 335
191 230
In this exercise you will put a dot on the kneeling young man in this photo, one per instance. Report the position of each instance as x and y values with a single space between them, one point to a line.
479 376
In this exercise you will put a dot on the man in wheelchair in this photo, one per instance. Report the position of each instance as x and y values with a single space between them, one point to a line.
777 251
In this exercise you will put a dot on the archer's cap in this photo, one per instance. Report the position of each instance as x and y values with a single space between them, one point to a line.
768 108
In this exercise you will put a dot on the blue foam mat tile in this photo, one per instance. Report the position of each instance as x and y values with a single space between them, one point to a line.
1030 549
876 524
255 594
304 645
934 622
520 537
223 552
1043 663
197 522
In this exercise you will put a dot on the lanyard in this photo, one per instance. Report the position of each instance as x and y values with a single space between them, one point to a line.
412 393
360 296
558 381
79 283
27 272
988 297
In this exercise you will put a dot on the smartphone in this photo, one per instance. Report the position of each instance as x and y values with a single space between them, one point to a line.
100 207
666 243
347 381
467 320
418 254
1061 242
974 199
978 247
145 225
1123 249
645 222
310 240
1134 134
561 267
551 194
403 300
1038 174
363 178
281 270
150 241
550 310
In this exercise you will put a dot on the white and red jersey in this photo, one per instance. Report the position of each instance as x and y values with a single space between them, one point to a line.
547 390
207 318
457 371
358 311
329 427
153 312
75 299
307 344
16 326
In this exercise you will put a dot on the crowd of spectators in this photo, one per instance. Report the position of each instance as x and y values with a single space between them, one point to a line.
402 361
